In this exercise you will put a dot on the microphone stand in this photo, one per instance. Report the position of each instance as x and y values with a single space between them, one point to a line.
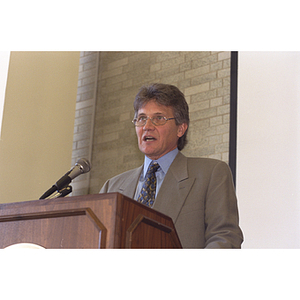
66 191
61 193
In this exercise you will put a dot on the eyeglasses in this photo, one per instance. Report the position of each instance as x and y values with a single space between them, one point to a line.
156 120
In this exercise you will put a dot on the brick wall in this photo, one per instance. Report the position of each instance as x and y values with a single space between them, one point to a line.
84 117
204 78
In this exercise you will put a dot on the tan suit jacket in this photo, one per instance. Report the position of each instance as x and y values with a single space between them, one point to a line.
198 194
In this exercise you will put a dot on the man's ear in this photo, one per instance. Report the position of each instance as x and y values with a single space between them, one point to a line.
181 129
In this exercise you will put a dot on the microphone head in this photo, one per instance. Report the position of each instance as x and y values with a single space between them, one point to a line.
82 166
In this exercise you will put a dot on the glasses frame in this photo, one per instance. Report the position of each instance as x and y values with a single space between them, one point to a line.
151 119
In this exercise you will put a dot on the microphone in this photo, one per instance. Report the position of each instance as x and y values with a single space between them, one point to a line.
82 166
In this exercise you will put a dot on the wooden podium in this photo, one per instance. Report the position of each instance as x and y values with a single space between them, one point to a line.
92 221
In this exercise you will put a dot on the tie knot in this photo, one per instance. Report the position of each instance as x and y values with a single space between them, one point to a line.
153 167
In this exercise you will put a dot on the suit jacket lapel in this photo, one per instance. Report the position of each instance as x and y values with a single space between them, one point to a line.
175 188
129 185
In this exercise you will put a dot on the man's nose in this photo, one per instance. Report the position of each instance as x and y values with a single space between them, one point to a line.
148 125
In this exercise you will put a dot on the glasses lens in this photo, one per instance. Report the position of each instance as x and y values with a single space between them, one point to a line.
141 121
159 120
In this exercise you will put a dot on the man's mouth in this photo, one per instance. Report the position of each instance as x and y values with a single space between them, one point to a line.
149 139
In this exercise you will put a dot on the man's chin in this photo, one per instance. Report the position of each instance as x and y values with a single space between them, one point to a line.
149 153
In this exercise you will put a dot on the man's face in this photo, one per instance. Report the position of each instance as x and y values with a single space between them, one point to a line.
156 141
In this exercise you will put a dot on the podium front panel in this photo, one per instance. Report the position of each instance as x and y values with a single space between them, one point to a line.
73 229
92 221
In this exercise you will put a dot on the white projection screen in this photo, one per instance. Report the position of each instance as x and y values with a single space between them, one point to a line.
268 158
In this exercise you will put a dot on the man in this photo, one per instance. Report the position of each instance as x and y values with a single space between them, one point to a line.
197 193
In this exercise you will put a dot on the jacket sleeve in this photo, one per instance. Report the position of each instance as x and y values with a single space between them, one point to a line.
104 188
221 211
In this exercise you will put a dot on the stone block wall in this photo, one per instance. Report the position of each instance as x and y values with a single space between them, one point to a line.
108 83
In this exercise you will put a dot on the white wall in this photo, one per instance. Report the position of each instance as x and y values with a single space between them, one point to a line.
268 157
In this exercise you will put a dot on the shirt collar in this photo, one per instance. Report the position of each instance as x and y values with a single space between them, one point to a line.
164 161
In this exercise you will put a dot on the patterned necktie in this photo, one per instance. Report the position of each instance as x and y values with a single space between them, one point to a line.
147 194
